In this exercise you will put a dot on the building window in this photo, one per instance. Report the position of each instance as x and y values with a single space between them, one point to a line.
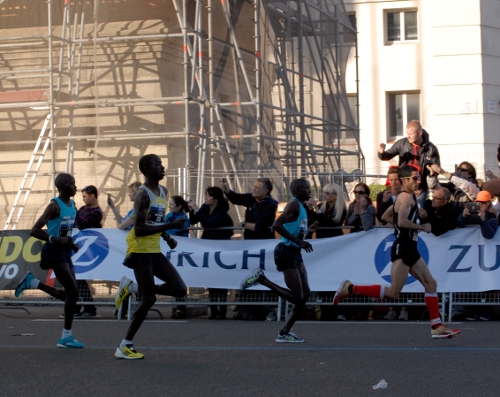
402 26
402 107
349 35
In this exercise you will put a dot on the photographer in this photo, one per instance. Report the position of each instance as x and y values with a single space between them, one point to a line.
462 184
474 215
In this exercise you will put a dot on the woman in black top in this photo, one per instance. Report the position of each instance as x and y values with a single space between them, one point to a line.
213 214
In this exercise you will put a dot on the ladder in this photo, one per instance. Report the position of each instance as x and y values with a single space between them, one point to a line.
29 174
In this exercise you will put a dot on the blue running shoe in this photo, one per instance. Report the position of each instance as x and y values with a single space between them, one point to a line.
25 283
290 337
69 343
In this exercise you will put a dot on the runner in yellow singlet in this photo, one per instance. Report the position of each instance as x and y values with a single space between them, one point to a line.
144 254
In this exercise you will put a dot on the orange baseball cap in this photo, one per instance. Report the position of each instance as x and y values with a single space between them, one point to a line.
483 196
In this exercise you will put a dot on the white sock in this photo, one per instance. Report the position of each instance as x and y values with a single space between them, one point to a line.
124 343
133 288
66 333
34 283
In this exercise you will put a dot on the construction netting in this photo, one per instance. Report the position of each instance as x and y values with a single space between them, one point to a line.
235 88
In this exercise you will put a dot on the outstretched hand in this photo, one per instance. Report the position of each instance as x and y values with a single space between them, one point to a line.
305 245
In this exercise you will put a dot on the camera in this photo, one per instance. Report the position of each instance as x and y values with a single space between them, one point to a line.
431 161
473 207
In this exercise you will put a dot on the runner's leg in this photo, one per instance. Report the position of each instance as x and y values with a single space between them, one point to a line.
66 276
173 284
145 279
399 275
300 284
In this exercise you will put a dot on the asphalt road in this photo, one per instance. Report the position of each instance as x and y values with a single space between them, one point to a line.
200 357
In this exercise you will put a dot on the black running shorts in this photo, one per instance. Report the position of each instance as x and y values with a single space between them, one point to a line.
406 251
55 253
287 257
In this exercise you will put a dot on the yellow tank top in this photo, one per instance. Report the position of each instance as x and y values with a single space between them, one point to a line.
156 216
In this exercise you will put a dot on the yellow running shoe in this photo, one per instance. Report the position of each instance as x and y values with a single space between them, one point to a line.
123 291
128 353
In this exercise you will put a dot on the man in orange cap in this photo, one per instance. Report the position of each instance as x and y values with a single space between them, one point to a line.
484 217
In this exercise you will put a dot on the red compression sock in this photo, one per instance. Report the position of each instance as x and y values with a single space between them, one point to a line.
431 301
369 290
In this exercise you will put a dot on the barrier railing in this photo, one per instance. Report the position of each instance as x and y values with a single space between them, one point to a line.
103 294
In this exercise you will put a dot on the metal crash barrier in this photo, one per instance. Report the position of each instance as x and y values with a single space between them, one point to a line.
103 294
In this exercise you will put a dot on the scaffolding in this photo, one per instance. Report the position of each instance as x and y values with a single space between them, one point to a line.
240 89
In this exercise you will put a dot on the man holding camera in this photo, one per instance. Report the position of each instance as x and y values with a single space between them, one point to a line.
415 150
474 214
462 184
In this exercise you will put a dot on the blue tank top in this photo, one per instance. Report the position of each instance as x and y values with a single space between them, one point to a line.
62 226
296 227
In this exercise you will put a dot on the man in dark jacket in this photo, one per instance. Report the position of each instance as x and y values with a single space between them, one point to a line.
260 208
439 212
415 150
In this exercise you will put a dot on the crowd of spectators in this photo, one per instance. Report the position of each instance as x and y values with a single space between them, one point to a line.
446 200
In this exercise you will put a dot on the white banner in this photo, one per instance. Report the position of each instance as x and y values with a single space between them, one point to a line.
461 260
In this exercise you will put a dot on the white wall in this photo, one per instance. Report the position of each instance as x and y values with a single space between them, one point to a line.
455 59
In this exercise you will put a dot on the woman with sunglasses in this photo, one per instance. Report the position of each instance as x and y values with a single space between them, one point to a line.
332 212
361 213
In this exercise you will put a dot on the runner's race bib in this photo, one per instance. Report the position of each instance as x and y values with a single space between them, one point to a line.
156 215
66 228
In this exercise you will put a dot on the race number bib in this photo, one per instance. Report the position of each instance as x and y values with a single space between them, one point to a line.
156 215
66 228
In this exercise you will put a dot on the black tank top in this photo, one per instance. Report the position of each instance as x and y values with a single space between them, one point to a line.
404 234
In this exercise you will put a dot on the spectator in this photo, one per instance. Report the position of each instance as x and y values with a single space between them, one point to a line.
260 210
125 222
88 217
386 198
487 219
178 208
332 212
462 185
213 214
415 150
493 186
439 212
361 213
260 214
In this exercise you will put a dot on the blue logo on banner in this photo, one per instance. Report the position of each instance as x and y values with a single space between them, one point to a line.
383 256
94 248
